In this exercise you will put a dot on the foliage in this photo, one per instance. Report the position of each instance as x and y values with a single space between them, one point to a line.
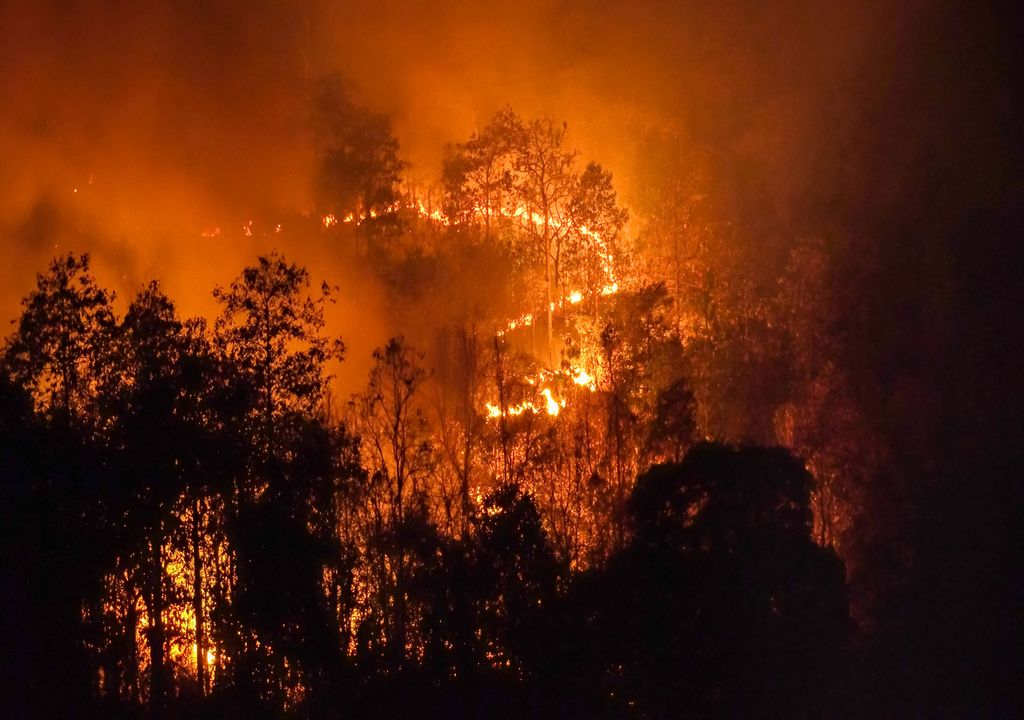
58 348
506 535
359 169
270 330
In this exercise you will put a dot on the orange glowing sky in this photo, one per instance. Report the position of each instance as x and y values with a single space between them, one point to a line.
127 129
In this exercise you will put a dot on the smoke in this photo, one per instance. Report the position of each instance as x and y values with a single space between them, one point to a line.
130 129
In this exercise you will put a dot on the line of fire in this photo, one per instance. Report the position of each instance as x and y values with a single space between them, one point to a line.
712 414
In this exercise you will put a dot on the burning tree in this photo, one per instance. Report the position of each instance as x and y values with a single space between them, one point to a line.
563 223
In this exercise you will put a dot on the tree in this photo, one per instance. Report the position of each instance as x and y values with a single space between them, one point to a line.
47 572
359 168
57 350
392 427
592 250
153 440
400 457
543 189
565 223
487 598
672 429
720 603
270 338
55 358
519 577
478 173
270 332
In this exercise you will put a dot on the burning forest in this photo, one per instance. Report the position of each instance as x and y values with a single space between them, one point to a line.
558 360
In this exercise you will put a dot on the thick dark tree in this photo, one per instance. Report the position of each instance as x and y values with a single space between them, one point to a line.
720 604
269 335
61 339
152 399
519 575
61 499
44 573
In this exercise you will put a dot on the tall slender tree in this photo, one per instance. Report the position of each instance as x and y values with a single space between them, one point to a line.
400 458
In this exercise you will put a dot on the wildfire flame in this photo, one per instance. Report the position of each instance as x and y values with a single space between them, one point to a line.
553 406
583 378
516 213
546 400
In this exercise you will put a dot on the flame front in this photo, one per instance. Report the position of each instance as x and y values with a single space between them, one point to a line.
546 400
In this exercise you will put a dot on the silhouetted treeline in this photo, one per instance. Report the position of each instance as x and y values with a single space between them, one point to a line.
188 529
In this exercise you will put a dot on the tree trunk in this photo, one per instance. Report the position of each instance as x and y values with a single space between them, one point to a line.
499 372
547 287
469 355
157 669
197 595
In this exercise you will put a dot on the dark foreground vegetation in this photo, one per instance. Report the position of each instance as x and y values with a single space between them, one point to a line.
174 493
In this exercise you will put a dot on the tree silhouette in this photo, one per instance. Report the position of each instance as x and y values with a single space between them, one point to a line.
60 341
60 509
45 575
399 457
269 335
673 427
270 332
519 575
152 393
720 604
